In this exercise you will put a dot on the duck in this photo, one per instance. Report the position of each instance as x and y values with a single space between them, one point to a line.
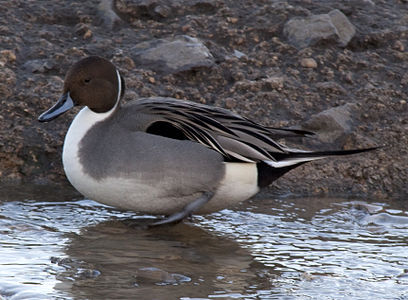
165 156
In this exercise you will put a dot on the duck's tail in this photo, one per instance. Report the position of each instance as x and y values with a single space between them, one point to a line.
294 156
269 171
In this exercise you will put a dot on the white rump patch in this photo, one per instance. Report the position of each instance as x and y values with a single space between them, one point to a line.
240 183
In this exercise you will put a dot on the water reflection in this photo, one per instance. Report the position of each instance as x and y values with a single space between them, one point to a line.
270 248
123 260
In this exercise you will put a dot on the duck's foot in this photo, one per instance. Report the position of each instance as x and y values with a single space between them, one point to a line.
187 210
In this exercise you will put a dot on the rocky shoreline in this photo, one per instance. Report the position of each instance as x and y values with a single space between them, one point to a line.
338 68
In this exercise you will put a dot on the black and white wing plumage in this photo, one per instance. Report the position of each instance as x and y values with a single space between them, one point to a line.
235 137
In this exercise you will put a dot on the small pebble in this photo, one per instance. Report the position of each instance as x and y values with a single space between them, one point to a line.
7 56
399 46
232 20
240 41
230 103
275 82
308 63
87 34
349 77
238 54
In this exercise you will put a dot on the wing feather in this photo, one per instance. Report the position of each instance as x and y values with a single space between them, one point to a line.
230 134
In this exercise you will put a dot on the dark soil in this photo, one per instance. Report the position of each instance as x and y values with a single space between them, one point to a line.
39 40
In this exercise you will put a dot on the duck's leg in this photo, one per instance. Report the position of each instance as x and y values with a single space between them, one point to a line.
187 210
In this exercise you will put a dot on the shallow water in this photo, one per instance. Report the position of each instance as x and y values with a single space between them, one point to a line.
53 245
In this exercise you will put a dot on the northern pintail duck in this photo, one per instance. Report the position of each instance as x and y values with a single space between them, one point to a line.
162 155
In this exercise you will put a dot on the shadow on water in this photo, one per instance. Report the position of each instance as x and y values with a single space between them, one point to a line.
269 248
120 259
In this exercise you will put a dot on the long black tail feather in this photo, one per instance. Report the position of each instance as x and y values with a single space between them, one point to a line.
268 173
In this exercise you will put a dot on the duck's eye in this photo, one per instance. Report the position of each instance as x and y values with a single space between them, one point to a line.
87 80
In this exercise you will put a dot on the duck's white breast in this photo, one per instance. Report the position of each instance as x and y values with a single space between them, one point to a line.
126 193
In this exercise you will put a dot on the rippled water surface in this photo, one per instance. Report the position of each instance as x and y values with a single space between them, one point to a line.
54 245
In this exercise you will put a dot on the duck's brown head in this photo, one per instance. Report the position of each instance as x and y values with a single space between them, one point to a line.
94 82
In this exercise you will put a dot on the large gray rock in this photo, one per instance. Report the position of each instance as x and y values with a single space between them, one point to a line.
303 32
38 65
332 123
174 55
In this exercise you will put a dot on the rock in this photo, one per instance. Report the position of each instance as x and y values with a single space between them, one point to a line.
173 55
399 46
333 123
345 30
38 65
308 63
238 54
230 103
163 11
7 56
303 32
274 82
331 87
107 14
232 20
348 77
87 34
83 30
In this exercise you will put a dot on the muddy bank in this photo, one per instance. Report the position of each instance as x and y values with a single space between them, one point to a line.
345 77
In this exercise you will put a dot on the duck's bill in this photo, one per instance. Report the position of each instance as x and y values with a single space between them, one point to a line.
64 103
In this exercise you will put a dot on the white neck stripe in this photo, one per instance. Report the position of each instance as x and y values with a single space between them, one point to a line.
119 91
119 87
